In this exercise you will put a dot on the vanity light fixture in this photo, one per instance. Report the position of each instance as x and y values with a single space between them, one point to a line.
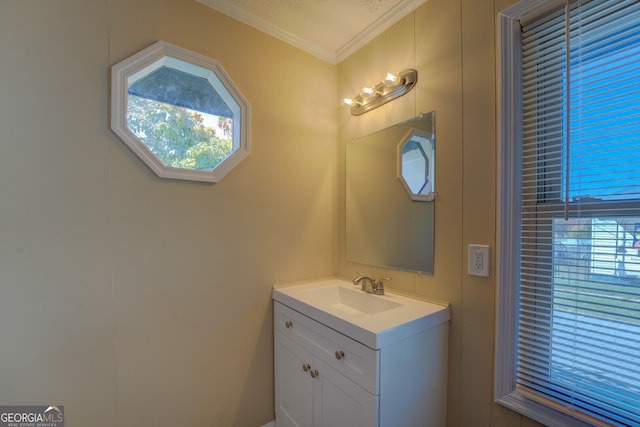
392 87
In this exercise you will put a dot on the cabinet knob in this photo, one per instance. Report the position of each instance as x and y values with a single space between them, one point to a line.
339 354
314 373
306 367
288 324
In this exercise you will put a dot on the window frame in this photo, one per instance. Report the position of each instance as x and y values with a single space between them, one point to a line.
509 209
509 212
153 57
424 140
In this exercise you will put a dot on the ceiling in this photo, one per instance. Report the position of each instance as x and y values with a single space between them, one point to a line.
328 29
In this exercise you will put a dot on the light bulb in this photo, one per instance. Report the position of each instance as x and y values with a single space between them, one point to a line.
391 80
367 92
348 102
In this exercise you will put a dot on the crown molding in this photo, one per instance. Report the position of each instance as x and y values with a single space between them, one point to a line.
368 34
376 28
240 14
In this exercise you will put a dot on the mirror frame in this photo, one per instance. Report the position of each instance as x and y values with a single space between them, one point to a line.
153 57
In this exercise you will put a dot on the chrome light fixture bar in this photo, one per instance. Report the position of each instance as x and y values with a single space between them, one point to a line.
392 87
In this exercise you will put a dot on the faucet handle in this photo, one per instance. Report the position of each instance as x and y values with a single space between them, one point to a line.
380 286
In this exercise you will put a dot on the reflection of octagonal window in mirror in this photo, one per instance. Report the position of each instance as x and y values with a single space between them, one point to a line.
416 161
180 113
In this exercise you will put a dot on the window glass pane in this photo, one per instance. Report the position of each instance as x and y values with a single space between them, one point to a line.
595 326
180 137
605 116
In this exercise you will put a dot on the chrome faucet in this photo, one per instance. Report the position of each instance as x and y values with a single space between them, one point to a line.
367 284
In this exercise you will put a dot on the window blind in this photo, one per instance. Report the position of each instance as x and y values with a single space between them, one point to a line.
578 345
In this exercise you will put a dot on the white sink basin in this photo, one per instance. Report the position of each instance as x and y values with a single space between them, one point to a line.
374 320
350 300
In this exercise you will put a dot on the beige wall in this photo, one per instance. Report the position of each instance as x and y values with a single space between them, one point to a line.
452 45
135 301
138 301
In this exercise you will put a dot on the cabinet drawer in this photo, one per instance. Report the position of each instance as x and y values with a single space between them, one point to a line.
349 357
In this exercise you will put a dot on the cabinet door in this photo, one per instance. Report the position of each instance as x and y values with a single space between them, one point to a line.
293 386
339 402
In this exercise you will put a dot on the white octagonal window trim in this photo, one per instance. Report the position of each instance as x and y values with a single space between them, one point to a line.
416 164
180 113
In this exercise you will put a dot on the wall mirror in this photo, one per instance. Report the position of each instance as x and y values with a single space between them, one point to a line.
389 196
180 113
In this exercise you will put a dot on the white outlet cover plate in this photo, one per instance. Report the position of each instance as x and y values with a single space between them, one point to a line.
478 260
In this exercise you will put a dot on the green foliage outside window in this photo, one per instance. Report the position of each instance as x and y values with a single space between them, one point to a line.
177 136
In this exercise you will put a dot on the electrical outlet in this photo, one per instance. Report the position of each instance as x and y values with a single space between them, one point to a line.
478 260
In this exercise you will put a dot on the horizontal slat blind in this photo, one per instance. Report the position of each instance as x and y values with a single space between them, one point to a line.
579 305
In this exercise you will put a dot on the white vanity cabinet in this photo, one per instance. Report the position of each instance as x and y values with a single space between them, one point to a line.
324 378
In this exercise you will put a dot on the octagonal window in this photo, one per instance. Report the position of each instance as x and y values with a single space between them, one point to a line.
416 164
180 113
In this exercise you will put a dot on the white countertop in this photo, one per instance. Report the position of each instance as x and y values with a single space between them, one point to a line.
374 320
